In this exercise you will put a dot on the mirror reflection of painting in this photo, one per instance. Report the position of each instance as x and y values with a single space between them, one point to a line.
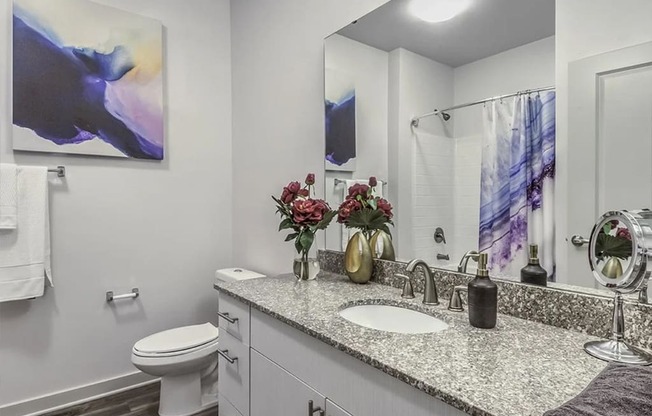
340 121
87 80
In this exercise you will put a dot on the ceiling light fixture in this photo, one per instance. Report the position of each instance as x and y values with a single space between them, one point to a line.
435 11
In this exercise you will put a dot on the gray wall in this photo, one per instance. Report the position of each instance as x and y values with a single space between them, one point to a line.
118 223
278 112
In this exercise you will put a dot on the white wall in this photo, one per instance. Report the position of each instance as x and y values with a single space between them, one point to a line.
117 224
278 113
368 68
527 66
585 28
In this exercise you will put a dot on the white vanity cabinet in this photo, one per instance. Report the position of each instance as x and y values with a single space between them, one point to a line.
288 368
334 410
274 391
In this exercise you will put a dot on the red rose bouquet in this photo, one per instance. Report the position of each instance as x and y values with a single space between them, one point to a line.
362 210
302 214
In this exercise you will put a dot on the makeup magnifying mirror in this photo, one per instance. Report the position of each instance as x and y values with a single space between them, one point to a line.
620 249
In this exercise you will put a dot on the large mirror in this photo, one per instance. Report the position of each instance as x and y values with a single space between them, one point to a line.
463 111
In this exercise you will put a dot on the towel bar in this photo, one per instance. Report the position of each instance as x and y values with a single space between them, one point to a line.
133 295
339 181
59 170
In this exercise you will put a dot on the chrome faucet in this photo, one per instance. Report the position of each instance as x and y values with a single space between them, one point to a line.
471 254
430 293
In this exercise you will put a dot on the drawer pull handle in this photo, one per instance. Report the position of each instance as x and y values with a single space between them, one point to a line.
227 317
312 409
225 355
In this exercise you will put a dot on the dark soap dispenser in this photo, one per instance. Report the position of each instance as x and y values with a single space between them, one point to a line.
483 297
533 273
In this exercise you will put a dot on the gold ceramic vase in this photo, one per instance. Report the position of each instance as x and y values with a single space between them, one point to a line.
358 262
387 250
612 269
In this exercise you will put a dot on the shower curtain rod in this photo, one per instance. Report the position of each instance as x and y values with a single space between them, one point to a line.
415 121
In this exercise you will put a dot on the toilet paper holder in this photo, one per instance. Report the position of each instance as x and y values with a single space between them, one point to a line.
110 297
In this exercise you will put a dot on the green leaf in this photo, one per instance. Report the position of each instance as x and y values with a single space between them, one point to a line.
367 219
285 224
297 245
291 236
328 217
306 239
373 204
610 246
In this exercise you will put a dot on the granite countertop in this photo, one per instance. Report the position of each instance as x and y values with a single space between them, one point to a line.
519 368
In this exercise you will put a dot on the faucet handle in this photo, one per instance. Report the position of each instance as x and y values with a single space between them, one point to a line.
408 290
456 304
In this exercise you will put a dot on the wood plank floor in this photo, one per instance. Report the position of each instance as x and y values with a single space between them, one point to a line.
142 401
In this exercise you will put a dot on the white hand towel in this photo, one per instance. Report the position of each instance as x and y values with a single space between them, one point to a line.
347 233
25 255
8 219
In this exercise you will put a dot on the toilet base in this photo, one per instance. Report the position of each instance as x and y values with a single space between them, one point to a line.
181 395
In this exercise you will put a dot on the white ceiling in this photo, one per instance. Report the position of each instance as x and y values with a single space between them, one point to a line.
488 27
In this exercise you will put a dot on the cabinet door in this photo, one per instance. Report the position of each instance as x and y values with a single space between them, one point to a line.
233 377
275 392
334 410
225 408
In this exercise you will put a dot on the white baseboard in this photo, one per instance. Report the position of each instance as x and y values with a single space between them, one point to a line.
63 399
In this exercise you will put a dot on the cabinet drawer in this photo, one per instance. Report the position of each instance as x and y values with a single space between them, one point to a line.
233 377
225 408
236 311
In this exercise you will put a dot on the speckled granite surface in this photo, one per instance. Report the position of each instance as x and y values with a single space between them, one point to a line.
570 307
520 368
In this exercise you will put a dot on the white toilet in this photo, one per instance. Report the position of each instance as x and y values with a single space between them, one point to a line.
186 360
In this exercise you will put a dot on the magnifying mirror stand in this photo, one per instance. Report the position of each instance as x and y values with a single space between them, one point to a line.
616 349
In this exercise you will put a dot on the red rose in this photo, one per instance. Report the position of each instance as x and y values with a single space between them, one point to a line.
345 210
290 192
624 233
303 192
386 207
309 211
358 189
310 179
373 182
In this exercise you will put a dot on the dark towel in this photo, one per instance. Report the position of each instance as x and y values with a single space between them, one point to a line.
619 390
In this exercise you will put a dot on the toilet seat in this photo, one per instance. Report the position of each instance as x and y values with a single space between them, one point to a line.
177 341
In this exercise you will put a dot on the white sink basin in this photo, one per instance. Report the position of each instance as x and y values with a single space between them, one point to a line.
393 319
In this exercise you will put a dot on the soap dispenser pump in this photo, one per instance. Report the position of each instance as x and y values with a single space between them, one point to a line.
483 297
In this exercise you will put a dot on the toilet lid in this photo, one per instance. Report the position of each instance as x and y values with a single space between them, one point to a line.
178 339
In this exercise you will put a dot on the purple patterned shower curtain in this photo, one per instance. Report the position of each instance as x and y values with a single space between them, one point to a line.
517 184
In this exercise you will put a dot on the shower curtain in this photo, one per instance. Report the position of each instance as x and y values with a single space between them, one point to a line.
517 187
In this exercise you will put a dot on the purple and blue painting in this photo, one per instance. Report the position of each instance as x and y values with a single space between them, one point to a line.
340 122
87 79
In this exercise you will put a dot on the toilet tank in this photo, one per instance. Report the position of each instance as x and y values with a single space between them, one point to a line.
235 274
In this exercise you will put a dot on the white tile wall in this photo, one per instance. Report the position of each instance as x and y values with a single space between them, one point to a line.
433 196
446 189
468 159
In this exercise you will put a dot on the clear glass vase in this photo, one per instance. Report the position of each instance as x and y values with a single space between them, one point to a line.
305 268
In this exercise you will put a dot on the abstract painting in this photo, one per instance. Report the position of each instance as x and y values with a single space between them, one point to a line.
87 79
340 121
